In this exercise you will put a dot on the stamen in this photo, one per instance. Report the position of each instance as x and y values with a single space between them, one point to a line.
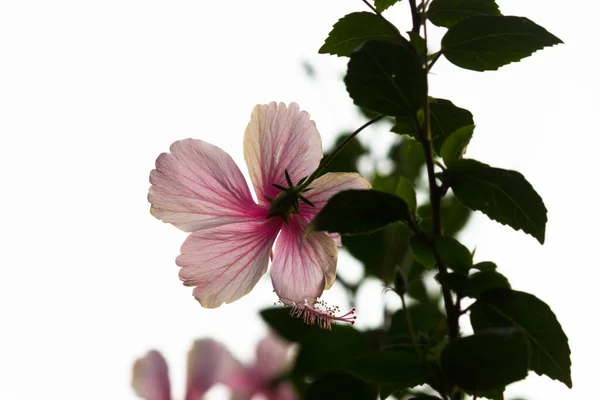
321 314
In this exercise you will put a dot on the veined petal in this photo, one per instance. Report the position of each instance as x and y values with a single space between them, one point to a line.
303 266
198 185
324 187
225 262
209 363
151 377
271 357
280 138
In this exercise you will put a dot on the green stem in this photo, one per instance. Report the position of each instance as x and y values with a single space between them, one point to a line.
411 330
327 159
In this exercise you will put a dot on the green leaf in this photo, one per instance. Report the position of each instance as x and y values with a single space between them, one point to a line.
503 195
485 266
408 157
406 192
454 254
487 42
347 159
382 5
455 146
454 216
355 29
289 328
425 318
480 282
549 345
448 12
446 118
341 386
400 367
359 211
387 78
487 360
422 252
406 126
418 44
453 281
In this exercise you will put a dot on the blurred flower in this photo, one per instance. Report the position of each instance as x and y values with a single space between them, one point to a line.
198 188
210 363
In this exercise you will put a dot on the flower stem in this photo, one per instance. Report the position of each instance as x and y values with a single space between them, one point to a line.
436 194
327 159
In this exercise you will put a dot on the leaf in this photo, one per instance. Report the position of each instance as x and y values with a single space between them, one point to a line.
347 159
355 29
503 195
422 252
453 281
400 367
418 44
406 192
454 254
489 359
549 345
454 216
340 386
289 328
406 126
455 146
448 12
382 5
359 211
409 158
480 282
446 118
386 78
485 266
424 317
487 42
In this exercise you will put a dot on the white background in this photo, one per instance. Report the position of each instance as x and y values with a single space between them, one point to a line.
92 91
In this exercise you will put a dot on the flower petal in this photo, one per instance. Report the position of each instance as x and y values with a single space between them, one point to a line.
271 358
198 185
326 186
225 262
151 377
209 363
280 138
303 266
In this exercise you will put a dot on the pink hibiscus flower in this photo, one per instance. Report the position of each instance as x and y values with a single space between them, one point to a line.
210 363
198 188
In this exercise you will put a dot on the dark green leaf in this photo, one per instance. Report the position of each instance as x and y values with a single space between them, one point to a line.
406 126
425 397
487 42
453 281
406 192
422 252
453 254
324 351
549 344
346 160
487 360
382 5
446 118
480 282
359 211
455 146
408 157
503 195
341 386
387 78
418 44
454 216
400 367
425 318
355 29
485 266
448 12
289 328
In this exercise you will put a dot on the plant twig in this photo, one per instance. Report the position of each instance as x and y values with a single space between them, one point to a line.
416 17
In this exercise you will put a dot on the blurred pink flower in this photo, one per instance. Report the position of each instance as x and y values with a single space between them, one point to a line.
198 188
210 363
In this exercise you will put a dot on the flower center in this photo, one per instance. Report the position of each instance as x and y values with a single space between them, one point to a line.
287 201
321 314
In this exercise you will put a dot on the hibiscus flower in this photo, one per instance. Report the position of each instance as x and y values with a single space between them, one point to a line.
210 363
198 188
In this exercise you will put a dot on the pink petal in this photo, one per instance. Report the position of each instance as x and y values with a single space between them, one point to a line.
198 185
279 138
225 262
209 363
303 266
324 187
151 377
271 358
